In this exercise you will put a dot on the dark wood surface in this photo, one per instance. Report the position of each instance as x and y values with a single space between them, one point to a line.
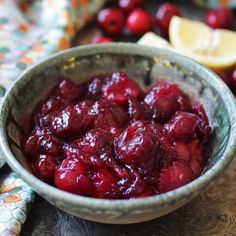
213 212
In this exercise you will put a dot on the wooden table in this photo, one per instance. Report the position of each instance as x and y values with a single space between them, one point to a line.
213 212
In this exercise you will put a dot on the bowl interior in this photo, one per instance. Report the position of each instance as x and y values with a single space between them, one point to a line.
142 64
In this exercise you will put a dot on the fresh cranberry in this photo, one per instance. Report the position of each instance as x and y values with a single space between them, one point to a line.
182 126
203 128
164 14
137 145
46 166
128 5
73 176
220 18
174 176
233 81
100 39
105 182
73 121
139 22
69 91
119 89
111 21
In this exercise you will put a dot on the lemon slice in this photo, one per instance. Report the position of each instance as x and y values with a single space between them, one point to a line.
213 48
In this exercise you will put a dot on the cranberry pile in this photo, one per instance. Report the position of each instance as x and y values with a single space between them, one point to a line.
129 17
109 139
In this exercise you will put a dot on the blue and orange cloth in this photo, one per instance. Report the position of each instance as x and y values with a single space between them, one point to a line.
30 30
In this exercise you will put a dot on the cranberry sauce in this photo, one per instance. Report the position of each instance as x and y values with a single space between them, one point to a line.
109 139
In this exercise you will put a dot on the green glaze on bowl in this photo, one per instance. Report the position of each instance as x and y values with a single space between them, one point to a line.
145 65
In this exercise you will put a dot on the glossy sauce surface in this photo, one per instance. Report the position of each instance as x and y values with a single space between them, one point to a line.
109 139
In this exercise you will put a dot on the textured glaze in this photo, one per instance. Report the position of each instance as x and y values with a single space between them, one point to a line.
144 62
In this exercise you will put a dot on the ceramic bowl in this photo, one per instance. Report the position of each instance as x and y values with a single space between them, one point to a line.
144 65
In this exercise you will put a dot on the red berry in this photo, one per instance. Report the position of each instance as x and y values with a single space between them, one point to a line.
73 121
148 191
46 166
174 176
95 149
139 22
69 91
108 114
137 145
43 144
182 151
95 86
220 18
128 5
100 39
133 185
111 21
135 110
164 14
233 81
203 128
105 182
52 105
73 176
164 100
182 126
119 89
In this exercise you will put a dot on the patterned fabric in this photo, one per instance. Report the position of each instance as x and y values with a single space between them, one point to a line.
29 31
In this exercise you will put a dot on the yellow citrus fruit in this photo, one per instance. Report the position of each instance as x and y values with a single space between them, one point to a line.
213 48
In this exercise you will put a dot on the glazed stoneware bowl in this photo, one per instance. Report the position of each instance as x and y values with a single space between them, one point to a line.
145 65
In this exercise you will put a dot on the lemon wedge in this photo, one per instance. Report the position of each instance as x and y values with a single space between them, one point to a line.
213 48
151 39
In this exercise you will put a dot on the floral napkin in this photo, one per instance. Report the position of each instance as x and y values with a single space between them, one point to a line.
29 31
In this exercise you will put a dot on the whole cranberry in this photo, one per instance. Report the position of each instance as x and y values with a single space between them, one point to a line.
42 144
182 126
203 127
164 99
139 22
105 182
46 166
128 5
111 21
137 145
73 120
72 176
95 86
100 39
164 14
233 81
220 18
69 91
174 176
120 88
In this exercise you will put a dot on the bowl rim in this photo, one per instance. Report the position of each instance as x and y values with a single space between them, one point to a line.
163 199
